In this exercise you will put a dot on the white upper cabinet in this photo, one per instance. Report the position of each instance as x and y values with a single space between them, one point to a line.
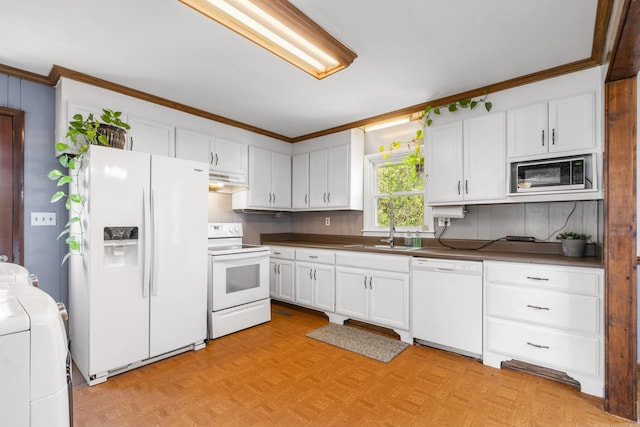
152 137
300 181
328 172
557 126
466 160
269 181
223 156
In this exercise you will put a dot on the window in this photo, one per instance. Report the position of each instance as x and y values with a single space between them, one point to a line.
387 179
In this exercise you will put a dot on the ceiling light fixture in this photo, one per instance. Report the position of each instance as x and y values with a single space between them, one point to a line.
282 29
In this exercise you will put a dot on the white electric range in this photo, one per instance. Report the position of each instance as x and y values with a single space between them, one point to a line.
238 288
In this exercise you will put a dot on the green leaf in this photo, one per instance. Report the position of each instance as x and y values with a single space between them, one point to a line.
54 175
64 161
103 140
473 104
452 108
381 149
61 146
67 204
488 105
436 110
75 198
427 109
57 196
429 122
74 219
64 180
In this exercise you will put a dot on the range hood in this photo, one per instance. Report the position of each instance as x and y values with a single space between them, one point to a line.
220 182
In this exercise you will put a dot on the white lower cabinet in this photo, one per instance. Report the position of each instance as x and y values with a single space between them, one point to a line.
314 279
281 273
380 296
547 315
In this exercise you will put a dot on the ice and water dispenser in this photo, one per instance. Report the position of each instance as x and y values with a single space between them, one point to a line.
120 246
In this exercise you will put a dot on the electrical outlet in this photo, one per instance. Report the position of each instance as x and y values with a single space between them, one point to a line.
43 218
327 221
444 222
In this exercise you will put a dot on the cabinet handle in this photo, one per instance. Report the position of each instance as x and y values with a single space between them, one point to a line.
275 268
216 159
269 198
277 253
210 158
546 279
553 137
365 282
131 148
542 139
458 187
314 274
313 256
311 274
324 197
305 199
537 345
466 186
274 197
371 282
278 268
329 197
537 307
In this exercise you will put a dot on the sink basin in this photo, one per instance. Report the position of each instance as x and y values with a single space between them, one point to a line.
382 247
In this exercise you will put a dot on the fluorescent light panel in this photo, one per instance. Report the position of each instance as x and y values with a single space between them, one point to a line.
282 29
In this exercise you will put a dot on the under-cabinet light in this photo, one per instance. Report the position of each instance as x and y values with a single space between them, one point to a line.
387 123
282 29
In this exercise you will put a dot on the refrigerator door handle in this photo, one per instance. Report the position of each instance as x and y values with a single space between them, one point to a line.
147 245
154 225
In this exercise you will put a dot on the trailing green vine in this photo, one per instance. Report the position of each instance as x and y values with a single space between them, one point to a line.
415 156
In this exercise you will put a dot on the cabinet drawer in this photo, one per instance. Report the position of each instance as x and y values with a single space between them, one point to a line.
555 309
571 279
544 346
282 252
315 255
388 262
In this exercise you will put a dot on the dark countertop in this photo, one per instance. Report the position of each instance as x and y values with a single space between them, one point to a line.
541 253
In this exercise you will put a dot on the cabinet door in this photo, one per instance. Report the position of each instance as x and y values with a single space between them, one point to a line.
318 178
527 130
192 145
324 287
274 278
304 284
338 176
229 157
300 181
152 138
444 163
259 177
281 180
286 283
352 292
484 157
389 299
571 123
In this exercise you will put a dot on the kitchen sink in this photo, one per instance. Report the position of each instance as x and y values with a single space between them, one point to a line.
383 247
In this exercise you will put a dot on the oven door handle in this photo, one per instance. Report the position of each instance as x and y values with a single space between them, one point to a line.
241 256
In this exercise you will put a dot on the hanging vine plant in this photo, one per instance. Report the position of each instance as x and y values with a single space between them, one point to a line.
415 156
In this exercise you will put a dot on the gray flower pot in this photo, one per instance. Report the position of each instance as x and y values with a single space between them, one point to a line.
573 248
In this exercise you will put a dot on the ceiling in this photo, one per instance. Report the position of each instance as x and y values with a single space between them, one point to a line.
409 52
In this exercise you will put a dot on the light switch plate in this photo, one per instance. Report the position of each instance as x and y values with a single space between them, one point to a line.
43 218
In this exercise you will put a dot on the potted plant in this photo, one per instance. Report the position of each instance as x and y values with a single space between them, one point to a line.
573 244
108 130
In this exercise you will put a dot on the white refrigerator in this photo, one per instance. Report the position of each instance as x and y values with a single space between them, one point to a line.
138 293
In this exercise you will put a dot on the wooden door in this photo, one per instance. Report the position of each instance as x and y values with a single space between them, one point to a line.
11 183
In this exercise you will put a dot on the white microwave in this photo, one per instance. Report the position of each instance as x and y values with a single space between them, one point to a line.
561 174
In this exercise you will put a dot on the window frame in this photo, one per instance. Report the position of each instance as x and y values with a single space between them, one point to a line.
371 162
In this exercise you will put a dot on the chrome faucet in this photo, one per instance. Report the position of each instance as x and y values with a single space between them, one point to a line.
392 225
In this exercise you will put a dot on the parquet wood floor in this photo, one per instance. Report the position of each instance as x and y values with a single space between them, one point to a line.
272 375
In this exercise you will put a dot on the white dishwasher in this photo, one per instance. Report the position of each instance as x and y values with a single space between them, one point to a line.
447 304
